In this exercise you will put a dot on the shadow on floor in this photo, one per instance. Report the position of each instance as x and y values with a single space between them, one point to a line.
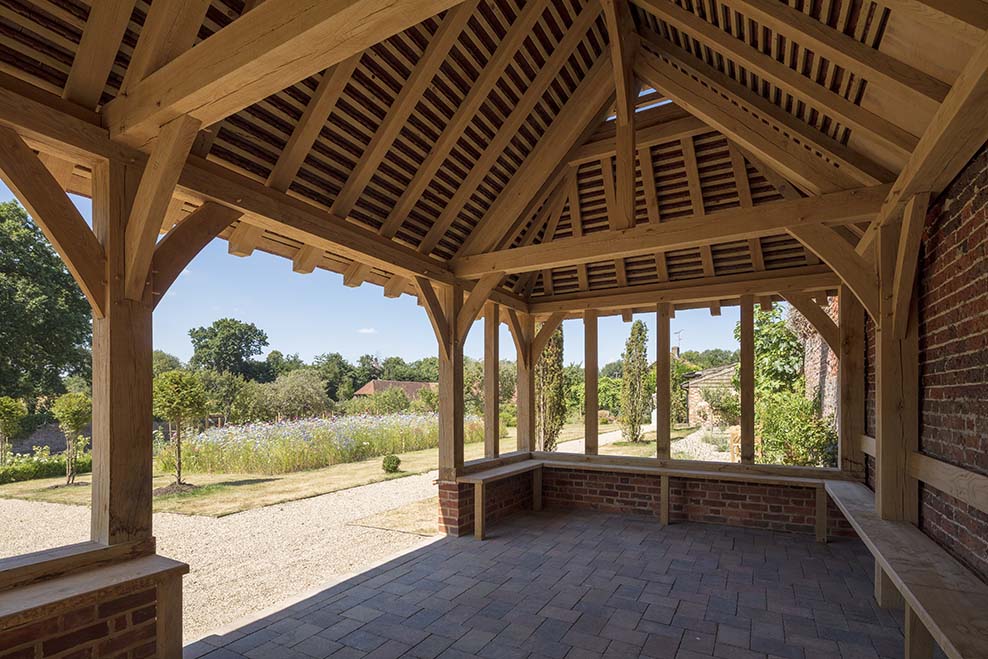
584 584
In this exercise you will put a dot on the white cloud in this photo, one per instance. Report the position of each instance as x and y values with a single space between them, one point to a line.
367 330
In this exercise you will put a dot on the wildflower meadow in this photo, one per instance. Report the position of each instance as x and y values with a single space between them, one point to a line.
288 446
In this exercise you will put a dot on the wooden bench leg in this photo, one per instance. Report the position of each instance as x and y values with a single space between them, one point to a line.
169 618
664 500
479 511
537 490
919 642
886 594
821 514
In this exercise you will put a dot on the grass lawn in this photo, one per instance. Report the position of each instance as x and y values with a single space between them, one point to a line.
645 449
225 494
569 432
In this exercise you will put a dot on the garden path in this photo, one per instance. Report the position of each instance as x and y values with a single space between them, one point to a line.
697 448
244 563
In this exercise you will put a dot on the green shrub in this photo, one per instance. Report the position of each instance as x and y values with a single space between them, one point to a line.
391 464
41 464
792 432
724 403
509 415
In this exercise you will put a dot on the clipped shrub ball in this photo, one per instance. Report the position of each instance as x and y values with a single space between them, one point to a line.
391 463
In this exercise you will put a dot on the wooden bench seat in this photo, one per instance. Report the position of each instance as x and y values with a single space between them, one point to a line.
665 473
944 600
480 479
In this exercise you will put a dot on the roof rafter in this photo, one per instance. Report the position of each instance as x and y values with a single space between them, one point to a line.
508 130
792 81
499 61
724 226
958 130
591 96
841 49
169 30
404 104
624 48
98 48
273 46
789 145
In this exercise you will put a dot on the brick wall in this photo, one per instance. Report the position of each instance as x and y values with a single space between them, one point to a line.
953 310
503 498
123 626
869 365
779 508
820 363
953 294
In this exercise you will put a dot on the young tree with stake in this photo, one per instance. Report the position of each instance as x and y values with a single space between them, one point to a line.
73 412
179 398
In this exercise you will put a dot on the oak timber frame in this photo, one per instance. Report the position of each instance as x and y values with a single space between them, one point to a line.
831 201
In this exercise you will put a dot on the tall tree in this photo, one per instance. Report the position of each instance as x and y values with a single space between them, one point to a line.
162 361
778 353
281 364
635 400
46 328
228 346
334 370
550 393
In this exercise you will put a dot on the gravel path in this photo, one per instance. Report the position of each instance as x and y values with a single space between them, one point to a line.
245 563
694 446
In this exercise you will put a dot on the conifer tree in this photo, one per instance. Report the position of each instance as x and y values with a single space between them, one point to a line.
635 401
550 393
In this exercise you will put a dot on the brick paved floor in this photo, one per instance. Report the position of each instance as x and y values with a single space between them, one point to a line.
580 584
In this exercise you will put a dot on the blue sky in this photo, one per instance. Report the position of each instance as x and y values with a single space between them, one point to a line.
314 314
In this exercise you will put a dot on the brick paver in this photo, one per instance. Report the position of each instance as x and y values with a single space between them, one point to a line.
580 584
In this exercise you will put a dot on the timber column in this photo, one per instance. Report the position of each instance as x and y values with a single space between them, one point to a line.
122 451
524 337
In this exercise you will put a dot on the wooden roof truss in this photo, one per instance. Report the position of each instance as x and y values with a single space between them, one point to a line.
594 152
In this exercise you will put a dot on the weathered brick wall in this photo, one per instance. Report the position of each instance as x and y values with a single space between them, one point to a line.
953 294
780 508
123 626
820 363
503 498
869 365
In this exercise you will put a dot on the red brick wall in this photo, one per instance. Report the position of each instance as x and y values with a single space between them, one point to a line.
123 626
503 497
772 507
953 294
869 364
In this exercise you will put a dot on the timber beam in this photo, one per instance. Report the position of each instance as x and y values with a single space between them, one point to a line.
51 125
707 289
836 208
954 135
261 53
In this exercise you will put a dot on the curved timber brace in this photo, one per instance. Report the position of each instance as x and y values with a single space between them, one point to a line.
451 318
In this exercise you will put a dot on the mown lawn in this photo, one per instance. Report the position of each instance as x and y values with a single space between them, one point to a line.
225 494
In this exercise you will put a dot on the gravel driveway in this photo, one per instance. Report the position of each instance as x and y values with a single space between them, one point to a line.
245 563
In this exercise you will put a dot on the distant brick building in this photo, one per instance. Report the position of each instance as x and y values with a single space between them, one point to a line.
411 389
717 377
